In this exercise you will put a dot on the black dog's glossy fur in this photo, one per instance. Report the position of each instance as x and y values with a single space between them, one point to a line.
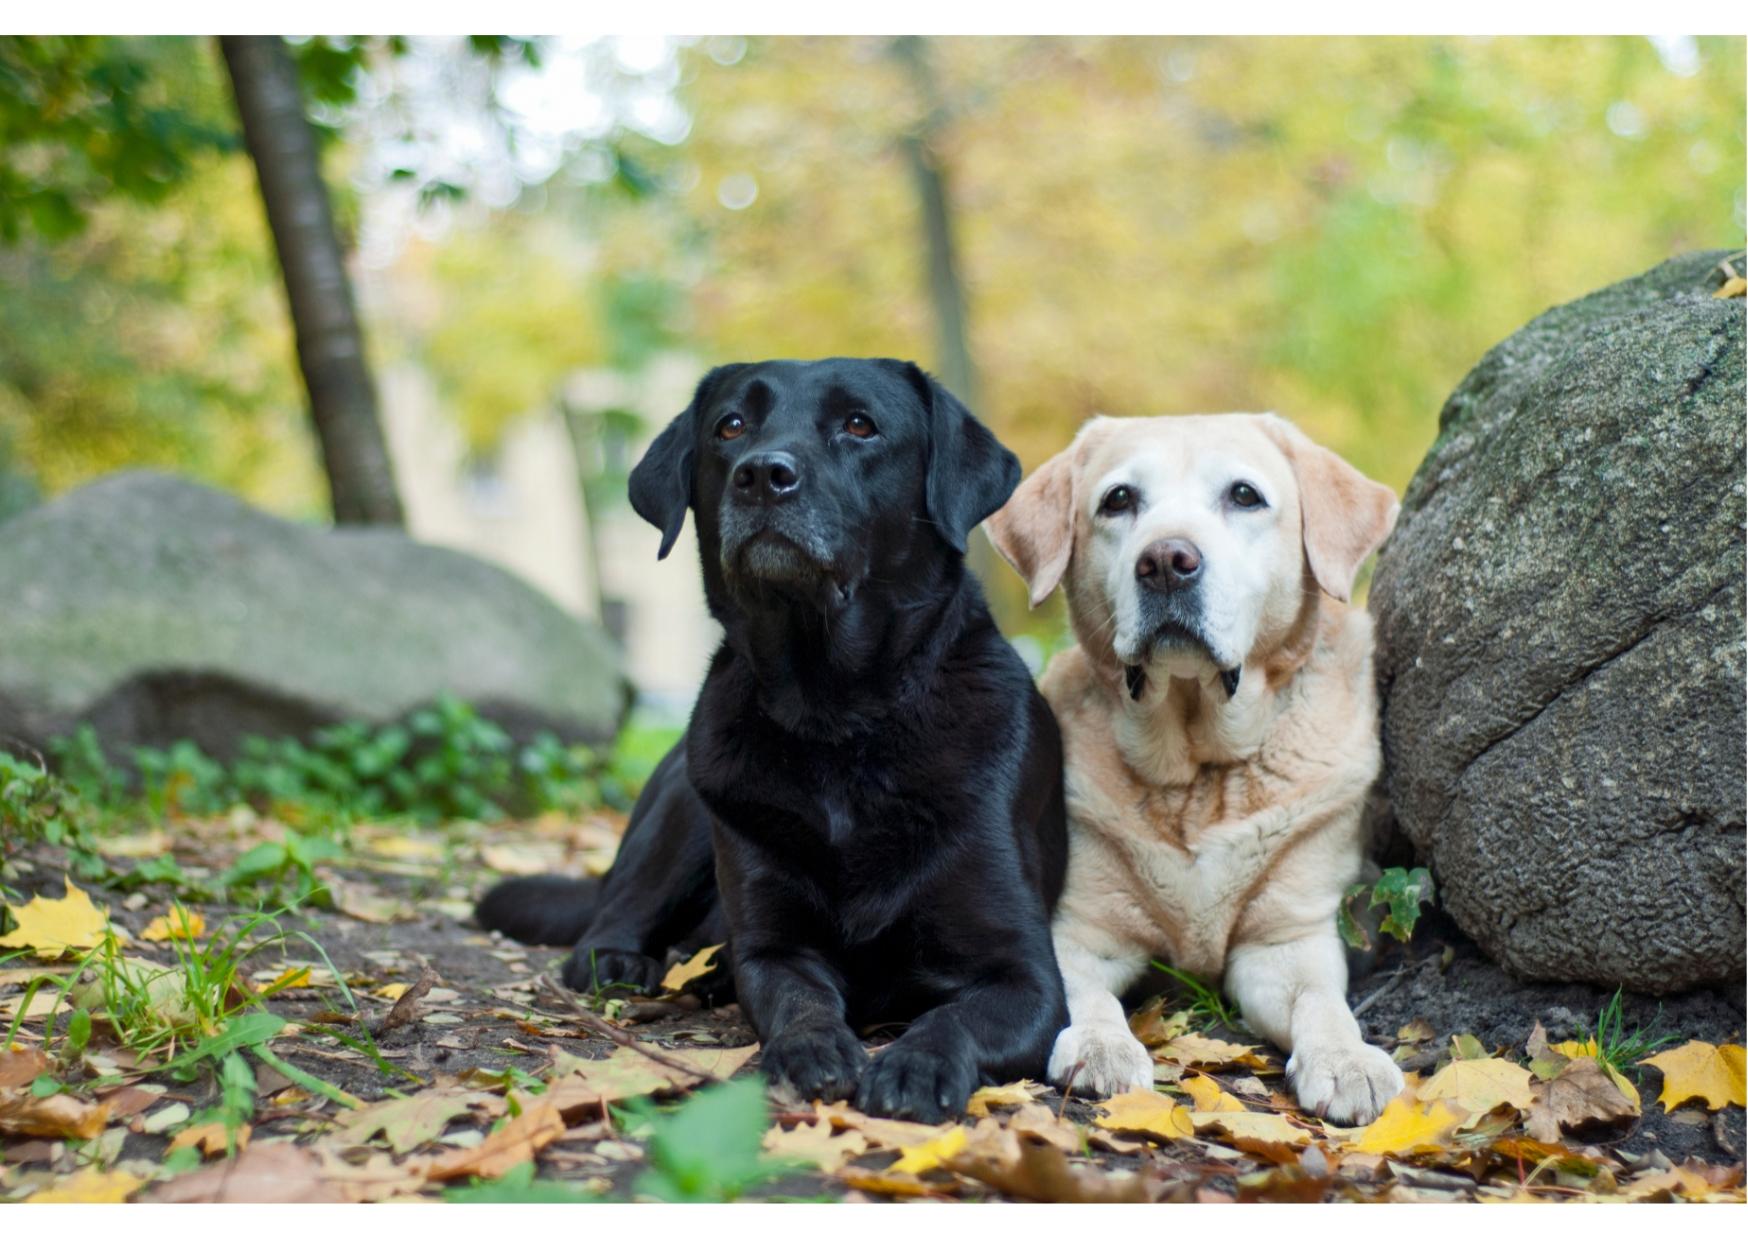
868 762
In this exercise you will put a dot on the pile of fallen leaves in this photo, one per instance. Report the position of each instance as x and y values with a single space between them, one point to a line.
237 1101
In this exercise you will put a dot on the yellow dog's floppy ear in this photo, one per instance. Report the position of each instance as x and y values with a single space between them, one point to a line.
1034 530
1345 515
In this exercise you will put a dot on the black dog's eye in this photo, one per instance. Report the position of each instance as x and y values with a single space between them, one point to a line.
860 425
731 427
1117 499
1243 495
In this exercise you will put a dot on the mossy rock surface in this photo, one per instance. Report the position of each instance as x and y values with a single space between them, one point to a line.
158 609
1560 620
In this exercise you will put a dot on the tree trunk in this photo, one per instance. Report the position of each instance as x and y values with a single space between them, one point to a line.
941 254
946 293
330 346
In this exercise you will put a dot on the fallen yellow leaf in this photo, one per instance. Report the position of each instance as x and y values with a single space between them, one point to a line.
1735 286
210 1139
1260 1128
1207 1095
1479 1085
58 1115
701 963
147 844
1713 1074
88 1187
52 927
392 990
916 1159
1192 1050
1142 1110
178 923
1406 1128
1016 1094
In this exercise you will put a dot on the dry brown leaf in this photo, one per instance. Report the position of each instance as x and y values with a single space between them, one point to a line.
58 1115
817 1144
407 1123
367 903
1037 1120
1581 1095
268 1172
406 1007
1037 1170
20 1066
579 1086
518 1141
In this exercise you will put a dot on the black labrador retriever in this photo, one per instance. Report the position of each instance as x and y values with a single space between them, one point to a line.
868 799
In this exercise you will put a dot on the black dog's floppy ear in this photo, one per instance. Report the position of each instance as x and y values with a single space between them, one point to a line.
661 484
970 473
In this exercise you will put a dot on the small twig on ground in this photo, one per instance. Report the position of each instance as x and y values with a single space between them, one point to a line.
1395 980
654 1009
1068 1087
614 1033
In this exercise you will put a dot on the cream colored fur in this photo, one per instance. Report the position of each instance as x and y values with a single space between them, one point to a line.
1218 834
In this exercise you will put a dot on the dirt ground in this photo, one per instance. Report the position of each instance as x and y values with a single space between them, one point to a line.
487 1013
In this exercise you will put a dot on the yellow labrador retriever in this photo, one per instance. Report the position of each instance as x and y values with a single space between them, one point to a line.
1220 730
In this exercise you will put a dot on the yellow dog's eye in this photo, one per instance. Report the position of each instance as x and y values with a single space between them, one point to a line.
1244 495
1117 499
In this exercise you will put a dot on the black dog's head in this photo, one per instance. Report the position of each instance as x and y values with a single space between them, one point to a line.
810 479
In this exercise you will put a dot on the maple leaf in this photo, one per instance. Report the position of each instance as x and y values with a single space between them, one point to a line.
816 1144
1016 1094
407 1123
1405 1127
701 962
88 1187
1713 1074
1192 1050
539 1125
1142 1110
1207 1095
1581 1094
1271 1136
52 927
1479 1085
178 923
916 1159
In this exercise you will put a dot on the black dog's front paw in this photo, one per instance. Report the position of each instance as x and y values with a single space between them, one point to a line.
920 1082
596 968
821 1061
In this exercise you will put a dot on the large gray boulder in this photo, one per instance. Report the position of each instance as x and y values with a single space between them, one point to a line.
1561 630
156 609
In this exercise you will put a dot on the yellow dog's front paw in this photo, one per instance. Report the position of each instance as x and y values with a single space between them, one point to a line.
1100 1060
1346 1084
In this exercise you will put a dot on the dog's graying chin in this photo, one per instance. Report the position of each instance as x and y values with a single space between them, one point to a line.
794 557
1171 637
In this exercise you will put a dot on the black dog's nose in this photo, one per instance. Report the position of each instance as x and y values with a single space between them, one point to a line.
767 476
1169 564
